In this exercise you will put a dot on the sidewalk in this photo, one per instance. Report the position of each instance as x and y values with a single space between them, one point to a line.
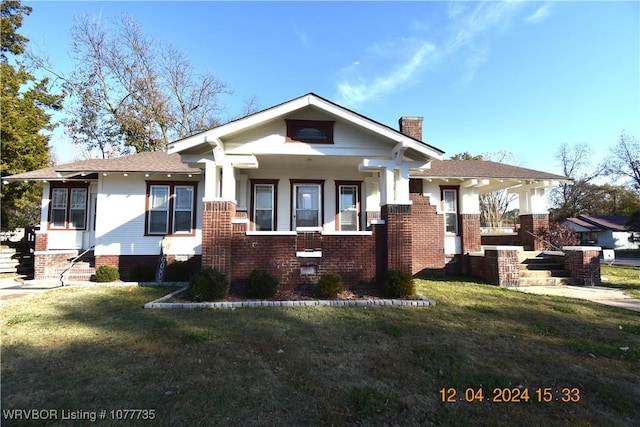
14 288
600 294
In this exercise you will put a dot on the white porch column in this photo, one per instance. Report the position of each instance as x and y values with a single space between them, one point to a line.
241 192
532 201
469 200
228 182
387 184
210 180
402 186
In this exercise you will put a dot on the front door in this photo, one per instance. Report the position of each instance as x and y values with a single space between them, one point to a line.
306 209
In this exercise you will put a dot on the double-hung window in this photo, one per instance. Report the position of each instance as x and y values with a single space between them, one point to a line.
263 204
307 204
68 208
348 204
450 207
170 208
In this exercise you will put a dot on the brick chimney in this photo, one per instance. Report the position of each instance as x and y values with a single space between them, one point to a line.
411 126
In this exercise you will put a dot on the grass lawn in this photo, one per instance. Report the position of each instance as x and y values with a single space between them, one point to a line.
627 278
97 348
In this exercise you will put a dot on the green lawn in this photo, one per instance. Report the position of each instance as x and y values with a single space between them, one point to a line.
627 278
97 348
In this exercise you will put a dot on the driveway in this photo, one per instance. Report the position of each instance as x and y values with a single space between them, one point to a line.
600 294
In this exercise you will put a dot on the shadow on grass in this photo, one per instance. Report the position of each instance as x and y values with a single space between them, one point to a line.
98 349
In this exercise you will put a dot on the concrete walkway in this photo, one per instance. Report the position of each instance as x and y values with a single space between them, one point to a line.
600 294
15 288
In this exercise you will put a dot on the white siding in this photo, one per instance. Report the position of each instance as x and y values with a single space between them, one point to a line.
120 219
64 239
270 139
284 191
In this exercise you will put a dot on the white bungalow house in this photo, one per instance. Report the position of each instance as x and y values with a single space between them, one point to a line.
298 189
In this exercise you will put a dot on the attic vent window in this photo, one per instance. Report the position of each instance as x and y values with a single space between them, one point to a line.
310 131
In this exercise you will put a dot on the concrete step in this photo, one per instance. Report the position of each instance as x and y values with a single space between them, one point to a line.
548 281
543 273
541 266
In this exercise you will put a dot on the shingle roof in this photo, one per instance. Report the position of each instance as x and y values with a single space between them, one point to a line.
483 169
584 224
148 162
612 222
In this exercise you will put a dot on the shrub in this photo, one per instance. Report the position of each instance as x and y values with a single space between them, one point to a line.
107 273
208 285
330 285
398 284
261 284
177 271
143 273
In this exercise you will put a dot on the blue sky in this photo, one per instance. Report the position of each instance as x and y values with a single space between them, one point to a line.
513 76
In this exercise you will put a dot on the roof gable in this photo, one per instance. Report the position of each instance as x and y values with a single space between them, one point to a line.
313 101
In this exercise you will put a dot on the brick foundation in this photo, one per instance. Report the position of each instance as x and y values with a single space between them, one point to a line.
42 241
125 263
49 265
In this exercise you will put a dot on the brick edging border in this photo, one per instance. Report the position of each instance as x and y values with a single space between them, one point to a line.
159 304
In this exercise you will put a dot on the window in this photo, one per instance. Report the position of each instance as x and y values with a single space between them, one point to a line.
415 185
170 208
310 131
348 204
307 202
263 202
450 207
68 208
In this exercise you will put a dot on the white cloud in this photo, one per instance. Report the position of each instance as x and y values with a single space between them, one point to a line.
466 39
302 36
539 15
476 58
354 89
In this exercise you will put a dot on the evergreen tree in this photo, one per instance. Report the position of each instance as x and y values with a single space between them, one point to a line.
24 101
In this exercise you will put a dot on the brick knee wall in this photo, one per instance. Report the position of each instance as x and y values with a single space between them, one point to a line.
217 232
351 256
532 223
583 263
399 236
427 244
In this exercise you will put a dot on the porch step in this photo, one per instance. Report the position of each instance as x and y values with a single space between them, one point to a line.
537 270
8 264
548 281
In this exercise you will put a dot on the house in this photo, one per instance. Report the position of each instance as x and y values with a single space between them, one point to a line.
607 231
299 189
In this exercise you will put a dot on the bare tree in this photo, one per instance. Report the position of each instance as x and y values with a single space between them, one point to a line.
571 199
495 205
625 161
131 92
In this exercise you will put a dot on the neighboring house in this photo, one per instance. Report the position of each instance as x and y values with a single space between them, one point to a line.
299 189
606 231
